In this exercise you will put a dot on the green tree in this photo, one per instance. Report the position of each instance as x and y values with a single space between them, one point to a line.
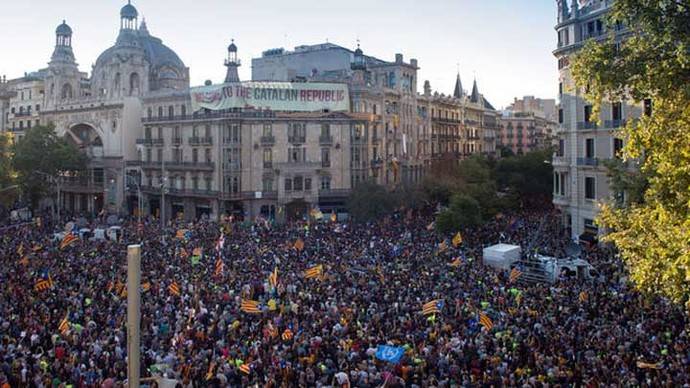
528 176
652 234
41 153
370 201
464 211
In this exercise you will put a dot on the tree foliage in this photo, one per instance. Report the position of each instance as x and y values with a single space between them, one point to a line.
527 176
370 201
464 211
41 154
653 232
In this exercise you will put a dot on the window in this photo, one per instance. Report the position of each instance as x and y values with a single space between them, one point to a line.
148 155
268 130
589 148
195 182
149 112
207 131
267 184
325 130
183 110
588 113
288 184
307 184
147 133
207 155
297 154
590 188
171 112
133 83
617 147
297 183
556 183
325 183
209 183
235 184
235 133
325 157
648 107
616 111
160 133
160 111
560 88
195 155
159 154
268 158
561 148
38 107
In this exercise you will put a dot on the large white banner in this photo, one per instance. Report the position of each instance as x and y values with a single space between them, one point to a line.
278 96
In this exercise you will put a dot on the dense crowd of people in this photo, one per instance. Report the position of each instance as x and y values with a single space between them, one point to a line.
324 331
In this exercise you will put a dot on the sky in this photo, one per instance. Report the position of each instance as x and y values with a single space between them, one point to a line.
505 44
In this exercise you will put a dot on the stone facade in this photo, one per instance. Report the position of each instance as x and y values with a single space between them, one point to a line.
580 178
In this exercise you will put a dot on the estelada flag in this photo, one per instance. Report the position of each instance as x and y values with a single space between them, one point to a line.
250 306
334 217
219 267
432 307
515 274
485 321
314 272
273 277
63 327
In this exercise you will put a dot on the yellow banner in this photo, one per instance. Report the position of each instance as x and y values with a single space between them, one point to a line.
277 96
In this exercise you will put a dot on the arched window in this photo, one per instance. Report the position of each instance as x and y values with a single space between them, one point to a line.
134 84
66 91
160 111
171 111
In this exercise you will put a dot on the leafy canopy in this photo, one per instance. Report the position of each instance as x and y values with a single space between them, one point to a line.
652 232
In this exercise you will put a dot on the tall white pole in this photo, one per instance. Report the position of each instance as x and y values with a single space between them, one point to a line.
133 313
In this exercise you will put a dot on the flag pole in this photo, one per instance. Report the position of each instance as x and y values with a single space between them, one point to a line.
133 313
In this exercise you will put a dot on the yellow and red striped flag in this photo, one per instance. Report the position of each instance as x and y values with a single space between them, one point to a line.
68 240
246 368
485 321
287 335
145 287
24 261
432 307
63 327
273 277
174 288
457 240
299 244
455 263
219 267
211 369
515 275
44 283
250 306
583 297
314 272
442 247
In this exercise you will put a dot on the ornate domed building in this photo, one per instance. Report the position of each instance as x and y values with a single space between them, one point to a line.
101 114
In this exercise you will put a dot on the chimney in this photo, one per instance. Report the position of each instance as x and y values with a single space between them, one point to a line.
413 62
427 88
398 58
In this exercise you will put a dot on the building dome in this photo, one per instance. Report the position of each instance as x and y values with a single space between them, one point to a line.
232 48
129 12
63 29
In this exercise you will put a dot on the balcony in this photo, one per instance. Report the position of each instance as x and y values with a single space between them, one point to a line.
325 139
585 125
176 141
561 161
228 114
200 141
150 142
231 166
175 165
334 193
22 114
268 165
375 163
81 185
592 162
298 166
614 123
229 140
268 140
297 139
325 163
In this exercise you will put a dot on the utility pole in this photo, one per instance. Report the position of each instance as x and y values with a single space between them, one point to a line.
133 313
